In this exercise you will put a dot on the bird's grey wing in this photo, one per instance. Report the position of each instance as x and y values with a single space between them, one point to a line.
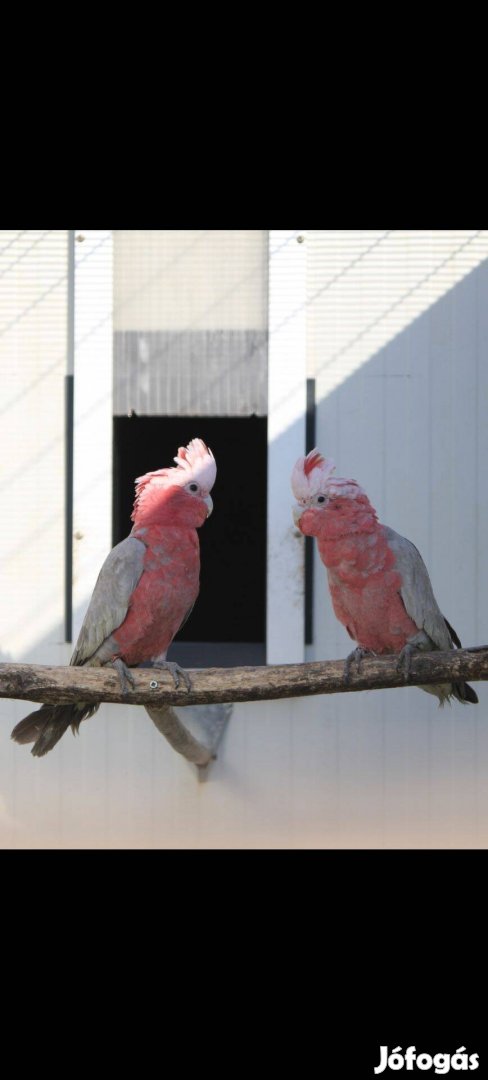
110 600
416 591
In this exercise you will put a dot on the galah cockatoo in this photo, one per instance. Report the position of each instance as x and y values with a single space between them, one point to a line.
380 588
145 591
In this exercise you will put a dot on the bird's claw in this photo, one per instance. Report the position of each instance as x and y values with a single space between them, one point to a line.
405 659
125 675
175 670
356 655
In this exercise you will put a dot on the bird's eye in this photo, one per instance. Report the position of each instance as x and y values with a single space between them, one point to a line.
192 487
320 498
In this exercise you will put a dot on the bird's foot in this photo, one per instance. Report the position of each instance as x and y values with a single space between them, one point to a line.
355 657
176 671
405 659
125 675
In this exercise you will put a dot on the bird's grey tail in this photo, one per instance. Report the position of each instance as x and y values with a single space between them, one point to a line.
461 690
48 724
465 693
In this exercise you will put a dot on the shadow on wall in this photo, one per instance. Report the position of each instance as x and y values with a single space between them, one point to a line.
409 424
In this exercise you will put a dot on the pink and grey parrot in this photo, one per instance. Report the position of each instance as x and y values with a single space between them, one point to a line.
145 591
380 588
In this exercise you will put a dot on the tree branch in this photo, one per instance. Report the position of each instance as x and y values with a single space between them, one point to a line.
214 685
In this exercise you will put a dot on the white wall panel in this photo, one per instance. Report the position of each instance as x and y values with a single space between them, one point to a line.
397 344
286 442
190 322
92 497
33 335
33 347
190 279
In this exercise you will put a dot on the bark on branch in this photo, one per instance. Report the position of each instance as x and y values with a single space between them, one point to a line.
214 685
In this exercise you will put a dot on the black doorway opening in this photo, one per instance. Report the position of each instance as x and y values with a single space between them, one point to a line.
227 626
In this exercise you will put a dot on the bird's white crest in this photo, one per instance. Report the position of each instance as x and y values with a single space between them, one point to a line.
197 463
193 462
311 474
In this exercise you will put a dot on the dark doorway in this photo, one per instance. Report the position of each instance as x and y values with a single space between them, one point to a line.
228 623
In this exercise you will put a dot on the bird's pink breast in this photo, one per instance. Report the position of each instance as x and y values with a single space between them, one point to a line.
365 590
166 591
373 613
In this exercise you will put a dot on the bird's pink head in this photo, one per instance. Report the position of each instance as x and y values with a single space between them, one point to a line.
324 502
180 494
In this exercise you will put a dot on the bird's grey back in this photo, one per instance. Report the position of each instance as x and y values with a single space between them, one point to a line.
416 590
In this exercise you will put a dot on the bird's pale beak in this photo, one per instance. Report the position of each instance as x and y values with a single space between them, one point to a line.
297 512
209 503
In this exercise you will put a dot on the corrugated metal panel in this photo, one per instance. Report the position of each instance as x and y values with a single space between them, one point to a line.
190 372
33 347
397 339
190 322
184 279
33 343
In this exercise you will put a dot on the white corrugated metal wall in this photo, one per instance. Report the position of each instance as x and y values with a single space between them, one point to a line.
33 339
396 327
398 344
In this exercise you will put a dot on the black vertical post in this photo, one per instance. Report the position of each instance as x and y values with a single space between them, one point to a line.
69 439
310 444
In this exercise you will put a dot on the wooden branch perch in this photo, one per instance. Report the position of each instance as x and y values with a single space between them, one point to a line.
214 685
